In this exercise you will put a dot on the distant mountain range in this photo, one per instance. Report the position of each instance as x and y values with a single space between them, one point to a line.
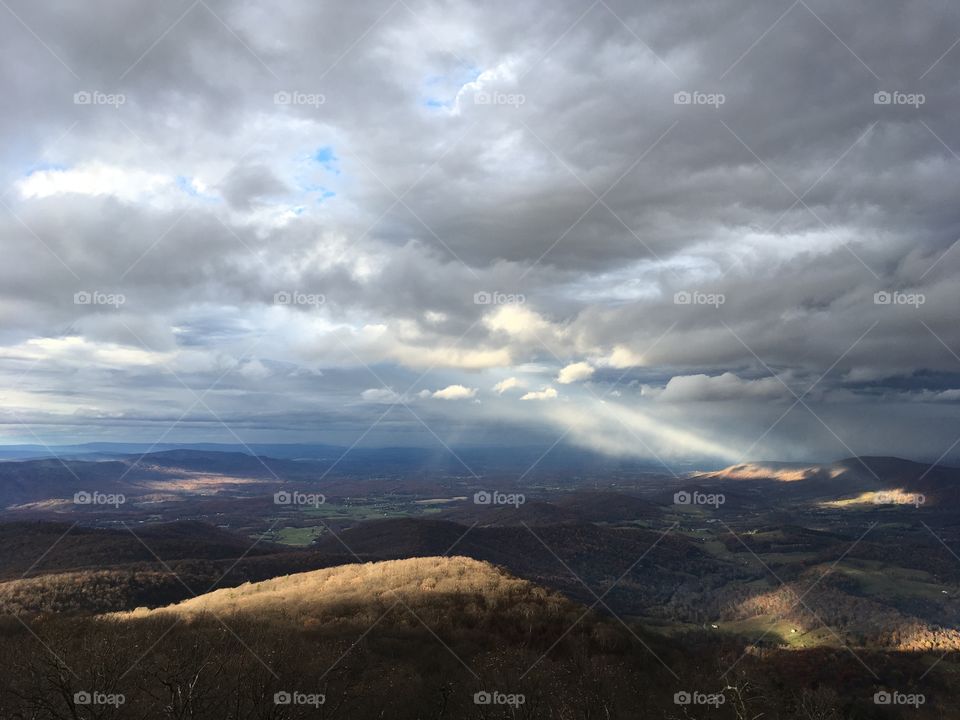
859 478
563 456
49 484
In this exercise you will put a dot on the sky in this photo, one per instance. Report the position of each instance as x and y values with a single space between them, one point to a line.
711 229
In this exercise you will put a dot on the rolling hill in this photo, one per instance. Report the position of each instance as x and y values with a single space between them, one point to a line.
436 588
851 479
44 547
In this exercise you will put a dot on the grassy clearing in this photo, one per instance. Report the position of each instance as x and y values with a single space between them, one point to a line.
329 511
880 581
718 549
777 631
300 537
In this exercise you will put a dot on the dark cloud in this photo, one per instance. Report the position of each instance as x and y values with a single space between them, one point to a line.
321 202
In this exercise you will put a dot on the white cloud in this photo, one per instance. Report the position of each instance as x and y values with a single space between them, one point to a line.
496 79
455 392
77 351
694 388
95 179
519 322
379 395
624 357
548 393
575 372
501 387
448 357
254 370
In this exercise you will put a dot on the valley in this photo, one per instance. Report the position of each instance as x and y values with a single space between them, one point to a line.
754 570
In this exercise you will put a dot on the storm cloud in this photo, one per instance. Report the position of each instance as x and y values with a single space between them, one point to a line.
718 229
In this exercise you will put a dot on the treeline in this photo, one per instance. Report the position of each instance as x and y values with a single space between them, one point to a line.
860 621
146 584
233 668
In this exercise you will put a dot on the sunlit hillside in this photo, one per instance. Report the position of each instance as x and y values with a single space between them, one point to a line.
360 593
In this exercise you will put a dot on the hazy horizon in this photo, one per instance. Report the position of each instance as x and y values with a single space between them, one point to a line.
439 454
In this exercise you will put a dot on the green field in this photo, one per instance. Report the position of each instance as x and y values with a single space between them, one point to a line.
357 512
883 581
777 631
300 537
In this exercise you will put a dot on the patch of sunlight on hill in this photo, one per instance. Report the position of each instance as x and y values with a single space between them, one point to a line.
896 496
438 586
781 472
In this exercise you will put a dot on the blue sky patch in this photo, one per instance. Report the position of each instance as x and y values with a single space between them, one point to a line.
327 159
